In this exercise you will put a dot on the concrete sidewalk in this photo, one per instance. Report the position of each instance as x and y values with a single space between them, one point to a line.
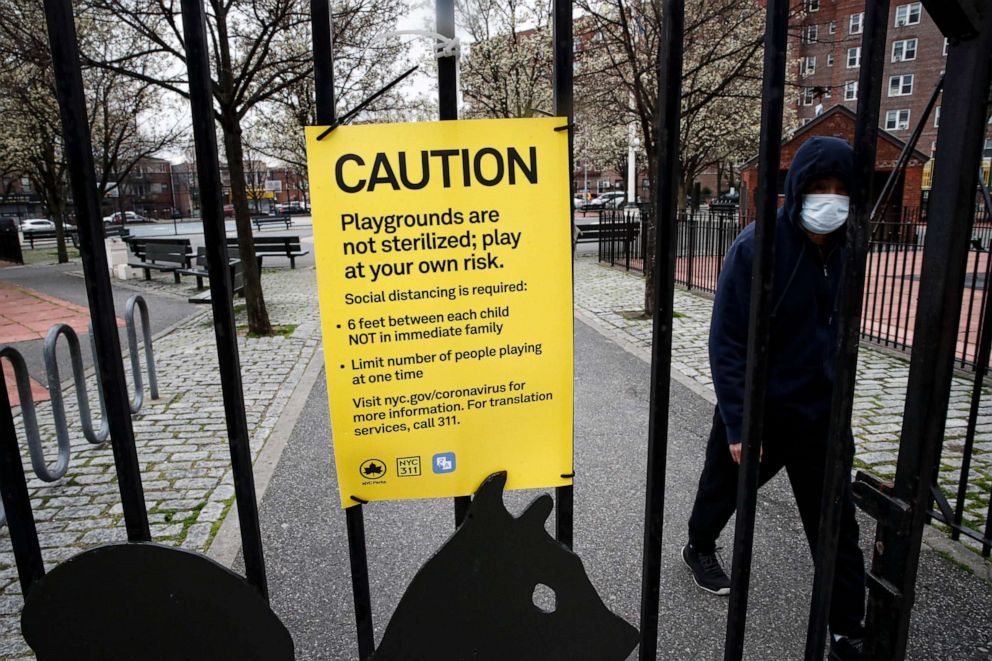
610 298
307 558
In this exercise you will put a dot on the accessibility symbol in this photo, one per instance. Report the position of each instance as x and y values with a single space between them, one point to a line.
372 469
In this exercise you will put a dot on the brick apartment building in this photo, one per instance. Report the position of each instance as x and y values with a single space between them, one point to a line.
825 60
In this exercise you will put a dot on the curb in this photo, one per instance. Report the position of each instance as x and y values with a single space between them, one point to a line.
227 542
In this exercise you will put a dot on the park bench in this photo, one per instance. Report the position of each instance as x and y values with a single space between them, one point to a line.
39 236
199 270
138 245
272 220
595 231
237 280
164 256
273 246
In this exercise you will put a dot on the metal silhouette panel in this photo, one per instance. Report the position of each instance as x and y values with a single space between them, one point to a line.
474 600
151 602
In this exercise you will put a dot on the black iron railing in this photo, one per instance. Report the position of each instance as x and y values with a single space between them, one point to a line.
892 282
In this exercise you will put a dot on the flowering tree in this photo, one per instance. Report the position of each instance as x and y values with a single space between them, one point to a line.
366 57
507 70
257 51
32 144
720 83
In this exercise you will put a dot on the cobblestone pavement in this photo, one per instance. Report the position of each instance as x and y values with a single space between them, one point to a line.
614 299
181 439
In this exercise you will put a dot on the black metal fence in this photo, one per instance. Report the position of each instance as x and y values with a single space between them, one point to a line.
893 269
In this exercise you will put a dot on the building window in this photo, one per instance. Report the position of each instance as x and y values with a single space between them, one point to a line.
805 121
603 185
854 57
856 24
830 59
945 46
908 14
806 97
936 117
812 5
810 34
808 66
897 120
851 90
832 27
901 85
904 50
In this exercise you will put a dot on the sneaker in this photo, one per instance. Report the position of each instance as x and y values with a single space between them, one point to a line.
706 571
846 648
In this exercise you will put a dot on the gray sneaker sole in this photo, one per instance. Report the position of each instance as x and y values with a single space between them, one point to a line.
722 592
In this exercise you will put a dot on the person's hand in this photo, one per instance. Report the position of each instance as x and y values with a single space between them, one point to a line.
736 448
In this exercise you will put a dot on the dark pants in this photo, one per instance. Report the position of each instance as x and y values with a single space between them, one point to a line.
802 451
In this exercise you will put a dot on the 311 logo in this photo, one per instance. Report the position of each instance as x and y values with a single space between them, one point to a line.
444 462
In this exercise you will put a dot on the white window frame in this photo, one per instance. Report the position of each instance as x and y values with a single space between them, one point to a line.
807 66
901 84
806 96
897 120
856 51
936 117
905 14
856 23
811 34
902 48
812 5
832 27
851 90
830 59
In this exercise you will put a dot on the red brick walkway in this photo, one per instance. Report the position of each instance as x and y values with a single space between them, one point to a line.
27 315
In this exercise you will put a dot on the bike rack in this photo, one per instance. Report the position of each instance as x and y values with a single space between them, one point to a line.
97 437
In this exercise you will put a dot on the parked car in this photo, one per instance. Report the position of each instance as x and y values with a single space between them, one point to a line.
128 217
229 211
612 200
37 225
291 207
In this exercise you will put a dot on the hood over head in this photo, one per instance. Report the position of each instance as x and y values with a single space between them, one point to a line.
818 157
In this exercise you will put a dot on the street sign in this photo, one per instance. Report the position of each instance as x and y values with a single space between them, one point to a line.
444 275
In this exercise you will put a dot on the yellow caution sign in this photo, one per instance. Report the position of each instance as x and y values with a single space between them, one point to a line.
444 274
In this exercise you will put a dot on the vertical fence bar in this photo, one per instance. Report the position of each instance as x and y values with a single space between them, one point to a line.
564 106
759 323
447 103
837 475
665 205
221 290
93 252
17 500
323 74
897 548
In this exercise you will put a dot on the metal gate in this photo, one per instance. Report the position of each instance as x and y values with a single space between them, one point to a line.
901 507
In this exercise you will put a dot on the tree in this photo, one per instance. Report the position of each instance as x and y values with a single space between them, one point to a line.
33 146
507 71
258 51
720 82
366 57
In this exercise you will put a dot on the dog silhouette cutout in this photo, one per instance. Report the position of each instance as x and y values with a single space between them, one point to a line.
475 599
149 602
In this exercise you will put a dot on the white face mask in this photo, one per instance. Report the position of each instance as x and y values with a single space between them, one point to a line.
824 213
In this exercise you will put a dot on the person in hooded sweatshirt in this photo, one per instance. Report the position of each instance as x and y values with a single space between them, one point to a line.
809 238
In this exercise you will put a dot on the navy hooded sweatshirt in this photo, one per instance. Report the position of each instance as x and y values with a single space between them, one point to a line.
804 305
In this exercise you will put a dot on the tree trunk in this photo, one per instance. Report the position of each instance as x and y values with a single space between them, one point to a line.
650 229
258 316
58 217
